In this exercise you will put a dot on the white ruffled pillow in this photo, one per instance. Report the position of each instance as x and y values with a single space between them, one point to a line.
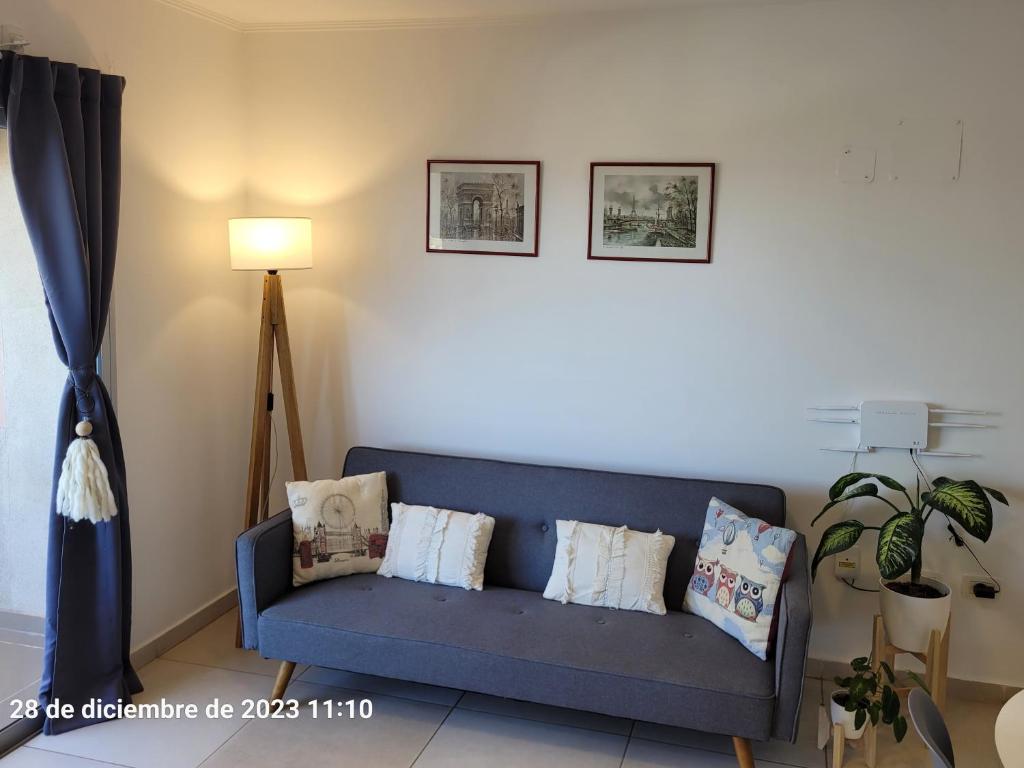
609 567
438 546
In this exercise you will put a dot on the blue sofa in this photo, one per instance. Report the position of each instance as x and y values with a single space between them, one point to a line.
508 641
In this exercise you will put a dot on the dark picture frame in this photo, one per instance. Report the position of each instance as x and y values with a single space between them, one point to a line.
483 207
676 213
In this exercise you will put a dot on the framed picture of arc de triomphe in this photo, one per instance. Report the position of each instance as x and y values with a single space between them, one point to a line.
483 206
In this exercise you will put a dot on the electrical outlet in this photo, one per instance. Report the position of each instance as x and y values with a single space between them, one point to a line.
968 583
847 564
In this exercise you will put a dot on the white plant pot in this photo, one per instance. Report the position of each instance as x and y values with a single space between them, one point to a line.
909 621
846 719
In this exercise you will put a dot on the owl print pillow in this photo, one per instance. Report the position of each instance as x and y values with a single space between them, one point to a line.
740 567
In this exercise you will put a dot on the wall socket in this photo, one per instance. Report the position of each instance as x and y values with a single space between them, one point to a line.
847 564
967 585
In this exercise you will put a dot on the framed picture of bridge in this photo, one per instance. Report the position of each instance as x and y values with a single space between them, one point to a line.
483 206
651 212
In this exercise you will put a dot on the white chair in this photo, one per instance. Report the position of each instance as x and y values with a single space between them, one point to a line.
931 728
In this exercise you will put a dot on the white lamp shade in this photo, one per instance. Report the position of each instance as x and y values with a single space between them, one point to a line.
271 243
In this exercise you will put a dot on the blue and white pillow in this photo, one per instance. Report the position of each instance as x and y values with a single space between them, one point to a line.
740 567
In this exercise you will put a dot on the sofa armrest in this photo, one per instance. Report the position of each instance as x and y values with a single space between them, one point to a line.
263 563
791 643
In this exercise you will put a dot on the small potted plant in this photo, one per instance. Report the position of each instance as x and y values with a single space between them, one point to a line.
911 608
865 695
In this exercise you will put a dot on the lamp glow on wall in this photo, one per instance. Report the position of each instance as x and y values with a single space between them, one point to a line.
271 244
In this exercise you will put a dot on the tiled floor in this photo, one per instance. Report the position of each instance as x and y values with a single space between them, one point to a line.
21 655
422 726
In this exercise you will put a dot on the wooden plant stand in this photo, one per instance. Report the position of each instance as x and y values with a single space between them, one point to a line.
868 741
935 659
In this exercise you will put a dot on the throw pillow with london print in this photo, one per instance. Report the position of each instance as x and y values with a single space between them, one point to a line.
339 527
740 567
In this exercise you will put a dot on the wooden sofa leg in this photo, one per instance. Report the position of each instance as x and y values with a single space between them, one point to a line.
744 752
284 674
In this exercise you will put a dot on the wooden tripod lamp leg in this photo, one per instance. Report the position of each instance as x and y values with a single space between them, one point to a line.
259 448
273 333
291 400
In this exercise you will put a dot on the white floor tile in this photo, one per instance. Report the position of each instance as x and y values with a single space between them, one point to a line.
804 753
214 646
495 705
28 757
654 754
20 665
7 707
470 739
392 738
165 743
18 637
480 731
431 694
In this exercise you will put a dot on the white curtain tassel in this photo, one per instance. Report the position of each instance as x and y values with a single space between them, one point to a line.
83 491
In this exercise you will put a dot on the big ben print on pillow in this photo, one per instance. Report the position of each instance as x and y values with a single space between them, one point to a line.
340 527
740 566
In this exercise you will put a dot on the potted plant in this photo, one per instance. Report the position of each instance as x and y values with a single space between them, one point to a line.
911 608
865 695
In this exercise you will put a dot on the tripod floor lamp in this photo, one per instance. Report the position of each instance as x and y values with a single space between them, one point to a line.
271 244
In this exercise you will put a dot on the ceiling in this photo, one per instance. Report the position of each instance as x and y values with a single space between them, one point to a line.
297 14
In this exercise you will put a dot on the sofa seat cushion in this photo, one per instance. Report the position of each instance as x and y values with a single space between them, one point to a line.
676 669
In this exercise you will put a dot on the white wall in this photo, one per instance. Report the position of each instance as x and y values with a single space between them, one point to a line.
820 292
183 319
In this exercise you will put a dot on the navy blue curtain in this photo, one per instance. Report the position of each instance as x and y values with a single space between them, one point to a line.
64 132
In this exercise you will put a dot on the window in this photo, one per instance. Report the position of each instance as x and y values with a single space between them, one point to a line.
31 380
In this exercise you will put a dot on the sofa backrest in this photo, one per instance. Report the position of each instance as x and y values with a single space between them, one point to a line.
526 499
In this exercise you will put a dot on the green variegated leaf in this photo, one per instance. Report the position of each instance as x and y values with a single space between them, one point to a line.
888 482
859 718
899 542
964 501
997 495
868 489
836 538
844 482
